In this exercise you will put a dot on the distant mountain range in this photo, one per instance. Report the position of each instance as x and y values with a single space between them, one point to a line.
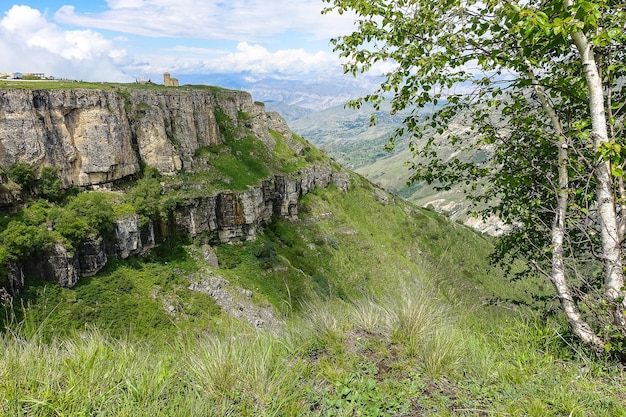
292 98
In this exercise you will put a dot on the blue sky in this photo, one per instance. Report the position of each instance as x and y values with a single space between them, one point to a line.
122 40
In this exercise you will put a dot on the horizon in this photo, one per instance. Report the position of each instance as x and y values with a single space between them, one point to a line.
245 41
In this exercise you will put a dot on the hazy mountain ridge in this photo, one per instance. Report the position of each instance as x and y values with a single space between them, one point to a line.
302 96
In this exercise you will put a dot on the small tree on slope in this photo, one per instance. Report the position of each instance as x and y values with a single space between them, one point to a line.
540 84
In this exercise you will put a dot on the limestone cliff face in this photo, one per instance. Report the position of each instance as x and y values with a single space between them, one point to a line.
85 133
96 137
231 216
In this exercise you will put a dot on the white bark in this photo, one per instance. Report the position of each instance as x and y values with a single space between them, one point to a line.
557 275
606 202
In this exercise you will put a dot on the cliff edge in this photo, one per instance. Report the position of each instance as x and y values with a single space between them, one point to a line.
96 137
100 138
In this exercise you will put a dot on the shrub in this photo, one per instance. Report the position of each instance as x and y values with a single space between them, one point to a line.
151 172
21 240
145 197
23 174
230 256
50 184
35 214
95 208
72 227
266 254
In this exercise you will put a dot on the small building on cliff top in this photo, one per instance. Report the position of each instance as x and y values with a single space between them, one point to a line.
169 81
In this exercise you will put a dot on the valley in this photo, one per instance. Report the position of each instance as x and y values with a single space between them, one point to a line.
347 136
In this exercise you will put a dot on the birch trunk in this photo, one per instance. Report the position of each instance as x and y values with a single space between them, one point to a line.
558 275
606 201
609 225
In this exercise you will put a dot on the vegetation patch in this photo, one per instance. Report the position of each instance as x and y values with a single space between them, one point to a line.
382 319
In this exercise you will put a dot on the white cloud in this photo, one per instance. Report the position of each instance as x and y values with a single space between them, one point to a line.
196 50
240 20
257 58
253 59
29 43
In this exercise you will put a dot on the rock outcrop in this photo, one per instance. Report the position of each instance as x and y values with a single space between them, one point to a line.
97 137
230 216
130 238
237 216
55 264
92 256
235 301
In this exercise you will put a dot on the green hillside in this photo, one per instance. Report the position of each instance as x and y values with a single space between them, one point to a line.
388 310
347 136
346 133
365 305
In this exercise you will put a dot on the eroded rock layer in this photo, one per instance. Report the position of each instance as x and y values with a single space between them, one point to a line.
97 137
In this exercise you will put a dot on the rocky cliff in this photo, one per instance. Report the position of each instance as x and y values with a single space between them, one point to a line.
98 137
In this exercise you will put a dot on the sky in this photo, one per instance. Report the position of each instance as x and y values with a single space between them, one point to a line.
124 40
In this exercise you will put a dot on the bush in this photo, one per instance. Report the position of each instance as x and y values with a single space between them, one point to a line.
265 253
35 214
95 209
72 227
21 240
50 184
23 174
151 172
145 197
230 256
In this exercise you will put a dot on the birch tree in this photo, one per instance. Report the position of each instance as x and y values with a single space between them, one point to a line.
540 86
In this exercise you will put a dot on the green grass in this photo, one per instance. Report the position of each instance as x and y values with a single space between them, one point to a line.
325 364
234 165
244 165
288 161
68 84
240 162
389 310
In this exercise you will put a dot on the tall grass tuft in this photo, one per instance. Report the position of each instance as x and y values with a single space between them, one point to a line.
251 374
441 352
326 324
421 324
368 315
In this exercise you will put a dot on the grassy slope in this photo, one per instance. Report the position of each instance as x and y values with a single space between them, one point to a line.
390 310
347 136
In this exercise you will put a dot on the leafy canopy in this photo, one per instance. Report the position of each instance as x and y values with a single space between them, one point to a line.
518 81
22 173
